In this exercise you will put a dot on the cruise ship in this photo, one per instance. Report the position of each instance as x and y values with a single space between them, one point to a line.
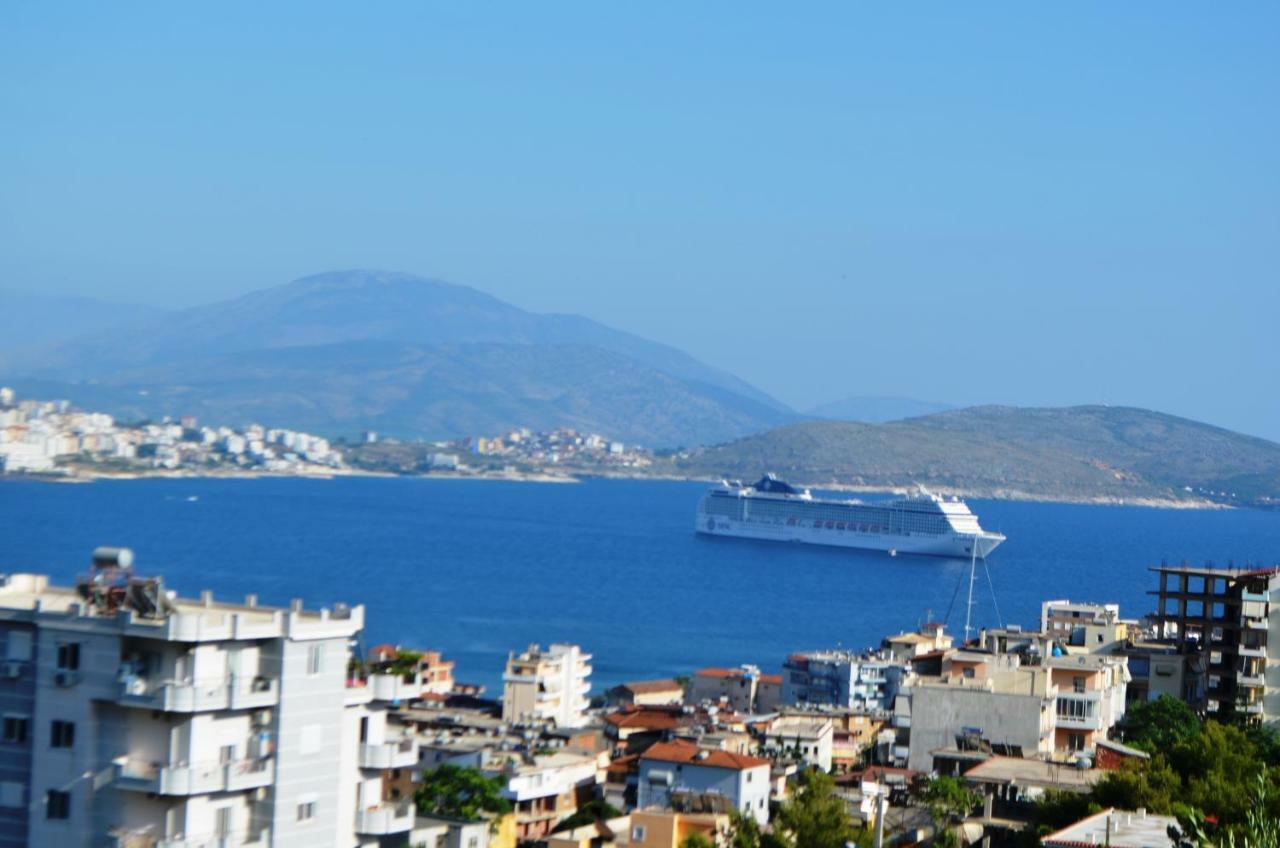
921 523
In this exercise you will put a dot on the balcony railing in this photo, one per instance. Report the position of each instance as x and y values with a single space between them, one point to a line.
1251 651
194 779
394 753
385 819
188 696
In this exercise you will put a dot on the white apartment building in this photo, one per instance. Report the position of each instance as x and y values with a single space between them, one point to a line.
809 739
547 686
136 719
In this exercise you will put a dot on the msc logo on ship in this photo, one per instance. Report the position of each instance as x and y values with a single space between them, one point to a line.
711 524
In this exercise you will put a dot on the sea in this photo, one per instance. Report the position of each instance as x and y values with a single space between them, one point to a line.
478 568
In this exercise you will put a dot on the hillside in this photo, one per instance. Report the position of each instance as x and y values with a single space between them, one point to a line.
1088 452
408 356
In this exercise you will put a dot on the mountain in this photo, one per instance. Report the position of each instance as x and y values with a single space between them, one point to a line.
1073 453
28 319
876 410
405 355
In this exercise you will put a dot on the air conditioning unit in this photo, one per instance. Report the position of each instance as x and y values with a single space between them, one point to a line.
13 670
66 678
262 718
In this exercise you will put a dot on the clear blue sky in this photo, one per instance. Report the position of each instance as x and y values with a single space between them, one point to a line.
1019 203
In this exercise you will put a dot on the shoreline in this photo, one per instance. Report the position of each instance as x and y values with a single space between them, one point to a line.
577 476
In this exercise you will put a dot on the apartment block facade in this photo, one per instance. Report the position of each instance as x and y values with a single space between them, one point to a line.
548 686
1225 615
136 719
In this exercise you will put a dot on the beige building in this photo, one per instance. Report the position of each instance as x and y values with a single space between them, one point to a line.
547 687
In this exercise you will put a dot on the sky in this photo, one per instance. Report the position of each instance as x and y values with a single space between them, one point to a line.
1034 204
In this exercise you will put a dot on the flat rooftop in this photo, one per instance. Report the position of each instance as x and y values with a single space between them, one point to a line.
1115 828
180 619
1046 775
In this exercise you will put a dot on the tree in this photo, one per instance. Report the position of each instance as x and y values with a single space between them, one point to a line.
696 840
1151 785
460 793
816 817
1161 724
592 811
949 801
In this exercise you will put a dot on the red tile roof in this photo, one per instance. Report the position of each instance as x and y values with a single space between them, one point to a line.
642 720
775 679
687 752
718 672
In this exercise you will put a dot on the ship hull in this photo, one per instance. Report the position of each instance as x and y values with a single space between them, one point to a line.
955 546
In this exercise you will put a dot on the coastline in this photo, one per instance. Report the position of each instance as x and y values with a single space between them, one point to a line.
577 476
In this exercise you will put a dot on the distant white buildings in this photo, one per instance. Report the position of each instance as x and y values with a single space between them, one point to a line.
547 686
40 436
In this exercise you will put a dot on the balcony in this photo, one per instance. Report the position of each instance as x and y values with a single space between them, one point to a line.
385 819
197 779
250 774
1254 708
1093 722
394 687
1247 651
1256 597
235 839
174 696
902 721
1252 681
394 753
254 693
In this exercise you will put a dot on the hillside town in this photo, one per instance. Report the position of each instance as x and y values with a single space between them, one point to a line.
51 437
202 721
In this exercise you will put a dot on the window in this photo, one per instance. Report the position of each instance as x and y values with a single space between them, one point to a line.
69 656
637 833
315 653
57 804
15 729
968 672
18 645
749 776
306 811
62 734
1075 741
1077 684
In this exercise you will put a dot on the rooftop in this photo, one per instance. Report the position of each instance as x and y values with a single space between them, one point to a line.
1046 775
1116 828
140 606
688 753
651 687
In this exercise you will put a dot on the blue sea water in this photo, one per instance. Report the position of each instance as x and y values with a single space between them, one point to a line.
478 568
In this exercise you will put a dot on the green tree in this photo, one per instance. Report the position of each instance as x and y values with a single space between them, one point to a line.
1258 830
1153 785
696 840
815 817
1161 724
949 801
460 793
592 811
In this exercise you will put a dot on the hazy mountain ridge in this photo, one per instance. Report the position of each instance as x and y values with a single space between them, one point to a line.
405 355
876 409
1073 453
29 319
